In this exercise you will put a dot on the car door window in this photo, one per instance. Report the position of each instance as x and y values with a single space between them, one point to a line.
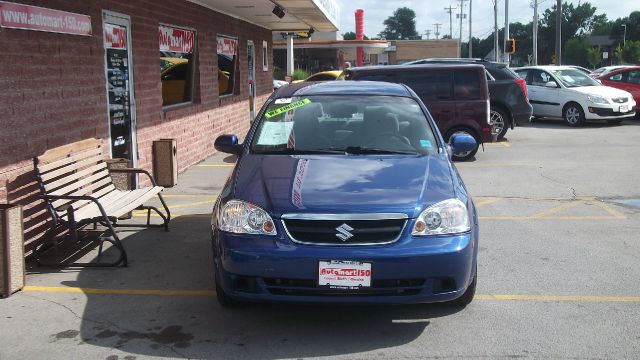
634 77
615 77
523 75
430 85
466 85
540 78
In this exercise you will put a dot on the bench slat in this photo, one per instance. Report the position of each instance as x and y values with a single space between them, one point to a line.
82 183
79 204
85 191
75 179
51 175
118 205
45 167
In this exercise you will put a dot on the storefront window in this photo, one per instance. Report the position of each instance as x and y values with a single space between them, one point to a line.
176 64
227 58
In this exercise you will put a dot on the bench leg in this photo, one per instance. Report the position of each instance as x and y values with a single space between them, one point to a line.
166 209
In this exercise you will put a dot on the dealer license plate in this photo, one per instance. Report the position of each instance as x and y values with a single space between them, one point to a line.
339 274
624 108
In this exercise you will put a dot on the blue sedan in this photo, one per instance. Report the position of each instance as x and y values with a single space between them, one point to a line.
344 192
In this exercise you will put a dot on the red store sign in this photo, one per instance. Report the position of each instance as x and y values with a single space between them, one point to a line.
19 16
176 40
227 46
115 37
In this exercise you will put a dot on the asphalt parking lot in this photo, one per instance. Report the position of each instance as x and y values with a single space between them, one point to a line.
559 265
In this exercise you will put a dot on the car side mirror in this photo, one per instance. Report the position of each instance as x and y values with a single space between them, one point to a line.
228 144
551 84
462 143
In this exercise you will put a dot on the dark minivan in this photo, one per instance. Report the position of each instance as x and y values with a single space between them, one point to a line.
456 95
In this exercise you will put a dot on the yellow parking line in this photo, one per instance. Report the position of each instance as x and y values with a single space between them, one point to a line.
556 209
173 216
551 218
58 289
487 201
609 209
216 165
190 196
500 143
571 298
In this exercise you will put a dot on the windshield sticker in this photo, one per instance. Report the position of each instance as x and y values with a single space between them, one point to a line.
280 110
425 143
283 101
274 133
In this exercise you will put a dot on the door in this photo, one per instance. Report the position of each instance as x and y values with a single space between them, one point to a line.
544 99
121 105
251 73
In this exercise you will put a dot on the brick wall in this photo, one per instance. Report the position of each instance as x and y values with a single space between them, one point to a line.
407 50
54 89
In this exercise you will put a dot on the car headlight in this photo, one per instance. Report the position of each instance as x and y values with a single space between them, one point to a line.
598 99
446 217
241 217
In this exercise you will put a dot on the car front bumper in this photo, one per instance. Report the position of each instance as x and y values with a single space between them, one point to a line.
411 270
608 112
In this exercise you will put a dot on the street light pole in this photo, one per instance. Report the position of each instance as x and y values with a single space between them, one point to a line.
624 35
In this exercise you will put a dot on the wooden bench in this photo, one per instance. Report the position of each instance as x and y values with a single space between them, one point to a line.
78 190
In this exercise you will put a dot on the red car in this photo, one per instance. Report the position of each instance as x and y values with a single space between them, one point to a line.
627 79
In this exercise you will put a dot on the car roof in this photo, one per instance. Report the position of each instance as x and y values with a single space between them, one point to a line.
414 67
328 72
458 60
546 67
343 88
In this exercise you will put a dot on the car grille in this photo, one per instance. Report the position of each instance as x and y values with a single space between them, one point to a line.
308 287
344 232
620 100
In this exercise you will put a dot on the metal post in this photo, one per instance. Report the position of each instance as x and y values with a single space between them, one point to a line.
535 32
506 30
290 54
470 36
559 32
495 28
450 11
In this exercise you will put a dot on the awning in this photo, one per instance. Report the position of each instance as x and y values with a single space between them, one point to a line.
370 46
299 15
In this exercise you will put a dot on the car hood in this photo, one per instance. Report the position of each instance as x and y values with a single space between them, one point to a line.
338 184
606 91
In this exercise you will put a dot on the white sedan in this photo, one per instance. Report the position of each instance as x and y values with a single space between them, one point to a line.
564 92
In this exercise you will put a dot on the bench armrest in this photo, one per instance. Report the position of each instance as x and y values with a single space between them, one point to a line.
135 171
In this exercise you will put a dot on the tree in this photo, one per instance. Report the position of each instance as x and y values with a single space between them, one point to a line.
576 50
401 25
350 35
576 21
594 56
630 53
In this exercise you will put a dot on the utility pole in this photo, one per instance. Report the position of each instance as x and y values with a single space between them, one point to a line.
461 16
559 32
450 11
437 32
470 36
535 32
506 31
427 32
495 29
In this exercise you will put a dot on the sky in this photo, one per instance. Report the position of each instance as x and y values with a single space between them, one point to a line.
430 12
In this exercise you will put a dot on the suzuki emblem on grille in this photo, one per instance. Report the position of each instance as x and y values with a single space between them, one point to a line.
343 232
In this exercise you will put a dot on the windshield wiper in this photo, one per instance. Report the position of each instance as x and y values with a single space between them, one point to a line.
369 150
290 151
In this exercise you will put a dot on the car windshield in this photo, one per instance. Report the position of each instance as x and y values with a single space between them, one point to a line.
344 125
574 78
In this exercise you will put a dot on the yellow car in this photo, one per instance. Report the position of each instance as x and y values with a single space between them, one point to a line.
173 74
322 76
